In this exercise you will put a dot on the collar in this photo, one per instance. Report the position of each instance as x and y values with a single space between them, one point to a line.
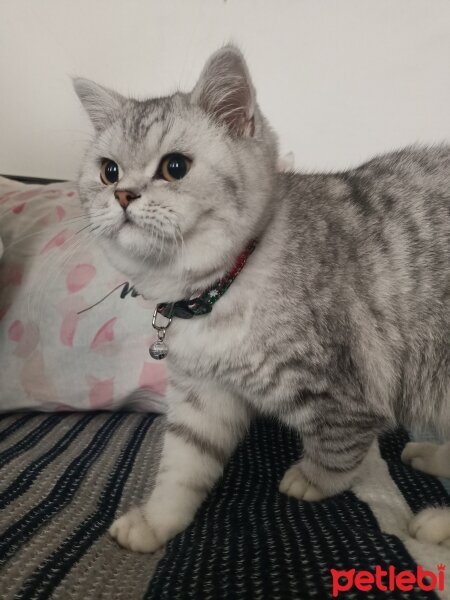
203 304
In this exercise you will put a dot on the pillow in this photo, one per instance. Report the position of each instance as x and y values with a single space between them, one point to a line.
73 333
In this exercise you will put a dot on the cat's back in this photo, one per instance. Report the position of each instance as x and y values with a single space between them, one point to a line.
376 236
409 178
396 204
410 162
369 250
404 198
403 178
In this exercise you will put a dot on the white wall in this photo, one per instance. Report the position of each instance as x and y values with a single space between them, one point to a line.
339 79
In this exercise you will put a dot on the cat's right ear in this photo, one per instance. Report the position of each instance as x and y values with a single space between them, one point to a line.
225 91
101 104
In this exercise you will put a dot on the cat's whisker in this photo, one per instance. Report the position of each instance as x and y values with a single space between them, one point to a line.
80 217
50 270
173 235
183 272
40 232
84 228
179 256
66 256
45 229
152 240
24 237
176 255
161 245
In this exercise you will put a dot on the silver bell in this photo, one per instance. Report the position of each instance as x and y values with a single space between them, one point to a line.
159 350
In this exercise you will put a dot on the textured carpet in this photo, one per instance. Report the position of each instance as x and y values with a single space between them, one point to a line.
63 478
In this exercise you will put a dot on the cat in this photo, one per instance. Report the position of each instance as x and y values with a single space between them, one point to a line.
432 524
338 322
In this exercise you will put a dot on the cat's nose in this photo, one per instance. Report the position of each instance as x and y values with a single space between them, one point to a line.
124 197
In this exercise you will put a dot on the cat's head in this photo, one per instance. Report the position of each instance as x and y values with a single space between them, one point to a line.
188 174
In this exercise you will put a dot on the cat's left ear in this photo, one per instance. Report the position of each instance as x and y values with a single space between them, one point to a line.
225 91
101 104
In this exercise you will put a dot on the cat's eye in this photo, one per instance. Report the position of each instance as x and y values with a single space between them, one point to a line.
109 172
173 167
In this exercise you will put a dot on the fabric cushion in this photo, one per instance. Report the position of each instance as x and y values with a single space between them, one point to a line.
55 351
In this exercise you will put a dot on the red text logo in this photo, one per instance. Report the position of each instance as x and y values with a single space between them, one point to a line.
387 580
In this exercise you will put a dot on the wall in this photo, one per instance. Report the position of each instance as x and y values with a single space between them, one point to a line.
339 80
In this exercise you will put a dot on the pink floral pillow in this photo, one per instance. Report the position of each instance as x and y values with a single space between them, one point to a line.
73 333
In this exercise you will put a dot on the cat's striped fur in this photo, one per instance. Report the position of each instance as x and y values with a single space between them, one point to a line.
339 323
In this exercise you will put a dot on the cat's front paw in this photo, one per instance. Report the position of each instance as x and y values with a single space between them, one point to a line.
432 526
133 531
295 484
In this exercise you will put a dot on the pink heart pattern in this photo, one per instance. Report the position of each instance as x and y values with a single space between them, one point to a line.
58 240
79 277
15 331
104 335
101 392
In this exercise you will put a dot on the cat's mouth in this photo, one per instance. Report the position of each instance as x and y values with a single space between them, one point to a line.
125 225
128 221
138 237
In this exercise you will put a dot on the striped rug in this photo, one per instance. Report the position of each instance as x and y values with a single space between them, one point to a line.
63 478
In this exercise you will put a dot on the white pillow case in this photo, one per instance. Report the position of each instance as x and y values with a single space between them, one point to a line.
52 354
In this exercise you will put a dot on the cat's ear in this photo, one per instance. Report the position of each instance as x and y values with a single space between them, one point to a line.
101 104
225 91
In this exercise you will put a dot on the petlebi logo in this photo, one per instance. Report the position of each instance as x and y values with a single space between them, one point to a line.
387 580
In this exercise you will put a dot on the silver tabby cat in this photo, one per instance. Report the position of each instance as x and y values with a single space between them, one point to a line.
338 325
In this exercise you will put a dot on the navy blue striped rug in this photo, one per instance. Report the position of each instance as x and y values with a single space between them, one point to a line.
247 541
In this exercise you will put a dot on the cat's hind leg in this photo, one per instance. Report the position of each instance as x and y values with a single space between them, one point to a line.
432 526
335 442
430 458
319 475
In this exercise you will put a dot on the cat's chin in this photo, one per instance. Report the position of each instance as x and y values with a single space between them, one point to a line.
140 244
